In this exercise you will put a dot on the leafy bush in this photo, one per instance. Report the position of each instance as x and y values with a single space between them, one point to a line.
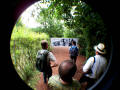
85 23
24 45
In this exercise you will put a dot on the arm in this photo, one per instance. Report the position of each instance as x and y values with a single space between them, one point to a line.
55 64
53 60
69 50
88 65
77 50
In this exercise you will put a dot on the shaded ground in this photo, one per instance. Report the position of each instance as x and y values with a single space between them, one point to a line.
62 53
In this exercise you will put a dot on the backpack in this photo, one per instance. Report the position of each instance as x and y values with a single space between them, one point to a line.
73 51
41 62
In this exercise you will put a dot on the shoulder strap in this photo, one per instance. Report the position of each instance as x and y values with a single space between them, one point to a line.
94 59
46 52
93 62
74 47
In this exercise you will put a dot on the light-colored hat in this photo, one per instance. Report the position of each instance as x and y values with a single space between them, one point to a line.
100 48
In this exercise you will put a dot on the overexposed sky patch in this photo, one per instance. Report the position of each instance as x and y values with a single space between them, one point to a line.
27 18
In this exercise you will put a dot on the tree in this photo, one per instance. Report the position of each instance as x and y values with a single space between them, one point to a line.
85 23
80 21
49 24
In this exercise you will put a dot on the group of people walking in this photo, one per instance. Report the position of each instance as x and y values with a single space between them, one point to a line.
92 69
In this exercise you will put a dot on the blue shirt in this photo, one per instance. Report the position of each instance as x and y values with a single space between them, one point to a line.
76 50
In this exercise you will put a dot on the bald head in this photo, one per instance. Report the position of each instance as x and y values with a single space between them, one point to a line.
67 70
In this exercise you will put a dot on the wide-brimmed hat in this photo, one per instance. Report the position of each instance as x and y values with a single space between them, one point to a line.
100 48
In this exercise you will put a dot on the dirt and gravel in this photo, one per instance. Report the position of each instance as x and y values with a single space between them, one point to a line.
62 53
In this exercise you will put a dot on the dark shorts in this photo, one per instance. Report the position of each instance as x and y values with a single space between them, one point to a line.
90 81
47 74
73 58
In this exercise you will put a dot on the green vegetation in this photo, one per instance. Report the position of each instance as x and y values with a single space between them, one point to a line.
82 22
24 46
63 18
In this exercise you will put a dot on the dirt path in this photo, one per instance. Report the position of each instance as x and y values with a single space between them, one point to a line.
62 53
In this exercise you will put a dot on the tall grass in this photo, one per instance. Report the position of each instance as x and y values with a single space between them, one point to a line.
24 45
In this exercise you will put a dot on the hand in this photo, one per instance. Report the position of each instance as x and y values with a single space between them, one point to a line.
55 65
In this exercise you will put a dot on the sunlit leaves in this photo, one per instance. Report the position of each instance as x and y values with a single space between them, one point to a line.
84 23
24 45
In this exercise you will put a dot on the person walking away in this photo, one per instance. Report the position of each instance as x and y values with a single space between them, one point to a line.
73 51
46 57
94 66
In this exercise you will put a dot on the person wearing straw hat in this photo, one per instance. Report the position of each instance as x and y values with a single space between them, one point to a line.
94 66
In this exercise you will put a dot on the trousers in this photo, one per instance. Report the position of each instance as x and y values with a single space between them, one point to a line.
90 81
73 58
47 74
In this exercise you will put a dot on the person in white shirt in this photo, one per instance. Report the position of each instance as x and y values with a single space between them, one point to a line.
50 57
94 66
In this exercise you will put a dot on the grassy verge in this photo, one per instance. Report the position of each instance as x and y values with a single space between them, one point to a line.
24 45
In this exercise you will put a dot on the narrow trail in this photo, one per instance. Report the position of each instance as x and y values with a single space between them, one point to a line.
61 54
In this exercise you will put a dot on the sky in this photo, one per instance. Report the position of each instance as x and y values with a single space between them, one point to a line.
29 21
